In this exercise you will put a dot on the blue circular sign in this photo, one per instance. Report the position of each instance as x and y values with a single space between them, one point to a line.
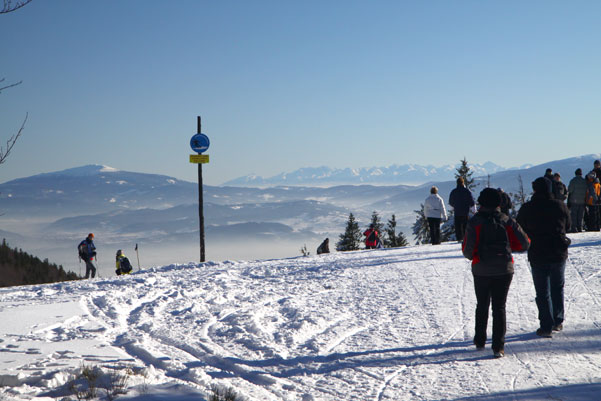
199 143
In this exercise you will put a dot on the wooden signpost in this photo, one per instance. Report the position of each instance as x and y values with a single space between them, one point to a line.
200 143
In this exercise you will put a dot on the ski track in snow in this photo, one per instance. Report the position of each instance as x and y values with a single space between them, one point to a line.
368 325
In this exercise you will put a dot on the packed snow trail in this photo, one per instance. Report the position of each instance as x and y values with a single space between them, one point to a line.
393 324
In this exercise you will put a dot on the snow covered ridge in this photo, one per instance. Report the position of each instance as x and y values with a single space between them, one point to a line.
410 174
406 174
392 324
83 171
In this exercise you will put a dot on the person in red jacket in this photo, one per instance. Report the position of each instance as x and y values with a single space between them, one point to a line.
371 237
489 239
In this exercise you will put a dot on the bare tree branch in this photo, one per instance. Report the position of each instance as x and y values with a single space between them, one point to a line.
11 142
8 86
10 5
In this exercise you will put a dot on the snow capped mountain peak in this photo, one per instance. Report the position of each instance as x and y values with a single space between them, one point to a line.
108 169
84 171
410 174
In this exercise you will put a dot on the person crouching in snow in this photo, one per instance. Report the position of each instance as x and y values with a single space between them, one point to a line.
489 239
371 237
324 247
122 263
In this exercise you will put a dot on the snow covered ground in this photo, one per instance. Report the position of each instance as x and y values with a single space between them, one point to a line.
367 325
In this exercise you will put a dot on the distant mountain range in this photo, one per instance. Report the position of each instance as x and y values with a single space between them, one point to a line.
406 174
47 214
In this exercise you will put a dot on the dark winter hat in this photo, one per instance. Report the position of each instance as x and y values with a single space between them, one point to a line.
542 185
578 171
489 197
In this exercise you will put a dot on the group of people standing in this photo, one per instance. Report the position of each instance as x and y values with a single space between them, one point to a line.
584 200
490 238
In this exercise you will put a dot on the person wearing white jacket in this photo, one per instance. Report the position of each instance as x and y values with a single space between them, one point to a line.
435 212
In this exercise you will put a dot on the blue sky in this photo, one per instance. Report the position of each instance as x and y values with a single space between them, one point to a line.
282 85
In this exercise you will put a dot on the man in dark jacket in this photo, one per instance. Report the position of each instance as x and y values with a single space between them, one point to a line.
545 221
597 168
462 200
87 251
549 175
560 191
490 238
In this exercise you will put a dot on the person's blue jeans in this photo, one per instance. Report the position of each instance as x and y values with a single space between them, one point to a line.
549 280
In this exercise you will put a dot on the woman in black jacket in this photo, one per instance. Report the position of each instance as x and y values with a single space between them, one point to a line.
490 238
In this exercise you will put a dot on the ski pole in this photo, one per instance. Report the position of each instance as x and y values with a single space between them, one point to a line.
138 256
98 267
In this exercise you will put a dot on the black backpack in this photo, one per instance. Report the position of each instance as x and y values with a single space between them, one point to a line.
494 247
125 265
82 250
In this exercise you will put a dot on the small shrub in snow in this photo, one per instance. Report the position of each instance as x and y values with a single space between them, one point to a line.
92 378
223 394
304 250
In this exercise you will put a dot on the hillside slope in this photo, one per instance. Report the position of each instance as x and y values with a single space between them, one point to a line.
392 324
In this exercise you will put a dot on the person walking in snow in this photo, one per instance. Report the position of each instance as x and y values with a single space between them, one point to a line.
545 221
461 200
435 212
576 200
87 252
324 247
371 237
490 238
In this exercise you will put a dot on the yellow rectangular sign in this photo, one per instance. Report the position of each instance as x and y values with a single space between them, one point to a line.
199 159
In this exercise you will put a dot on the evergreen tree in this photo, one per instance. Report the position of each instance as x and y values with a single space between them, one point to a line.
392 240
18 267
465 172
350 240
376 222
421 230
